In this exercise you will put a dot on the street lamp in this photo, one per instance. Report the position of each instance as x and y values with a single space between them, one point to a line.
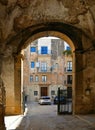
88 89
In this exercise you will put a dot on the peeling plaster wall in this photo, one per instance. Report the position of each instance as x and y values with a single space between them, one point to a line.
89 77
19 14
8 79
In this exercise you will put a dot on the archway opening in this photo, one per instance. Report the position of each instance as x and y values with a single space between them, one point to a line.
56 33
49 67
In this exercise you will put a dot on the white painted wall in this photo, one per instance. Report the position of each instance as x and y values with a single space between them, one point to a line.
44 42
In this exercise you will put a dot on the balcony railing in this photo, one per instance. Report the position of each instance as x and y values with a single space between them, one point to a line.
68 69
44 70
69 81
40 82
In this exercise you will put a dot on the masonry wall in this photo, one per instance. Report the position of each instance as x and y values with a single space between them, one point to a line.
54 77
8 78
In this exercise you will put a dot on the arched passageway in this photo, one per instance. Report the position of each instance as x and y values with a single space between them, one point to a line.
73 36
81 103
74 26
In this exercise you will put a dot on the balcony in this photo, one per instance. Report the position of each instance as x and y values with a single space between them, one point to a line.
44 69
69 81
67 70
40 83
46 83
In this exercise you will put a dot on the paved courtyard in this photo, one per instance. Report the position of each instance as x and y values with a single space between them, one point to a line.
44 117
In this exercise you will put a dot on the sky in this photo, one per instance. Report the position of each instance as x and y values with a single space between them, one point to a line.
56 38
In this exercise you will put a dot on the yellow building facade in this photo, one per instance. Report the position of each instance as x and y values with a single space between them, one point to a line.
44 78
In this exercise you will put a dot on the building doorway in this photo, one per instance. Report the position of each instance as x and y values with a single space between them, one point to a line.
44 91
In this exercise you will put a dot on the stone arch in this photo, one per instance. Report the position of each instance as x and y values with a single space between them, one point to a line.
63 37
53 28
72 35
50 33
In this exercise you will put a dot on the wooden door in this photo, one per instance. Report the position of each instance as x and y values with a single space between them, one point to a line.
43 91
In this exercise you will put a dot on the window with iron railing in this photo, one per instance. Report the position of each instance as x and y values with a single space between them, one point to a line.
44 78
43 69
31 78
36 78
69 79
47 69
69 66
43 66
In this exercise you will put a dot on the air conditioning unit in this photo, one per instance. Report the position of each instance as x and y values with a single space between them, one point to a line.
37 64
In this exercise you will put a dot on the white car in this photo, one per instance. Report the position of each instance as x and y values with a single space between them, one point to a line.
45 100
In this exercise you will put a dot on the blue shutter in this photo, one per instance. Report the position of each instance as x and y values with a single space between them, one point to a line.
44 50
33 49
32 64
68 48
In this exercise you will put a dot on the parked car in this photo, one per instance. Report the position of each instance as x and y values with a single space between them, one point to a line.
44 100
62 100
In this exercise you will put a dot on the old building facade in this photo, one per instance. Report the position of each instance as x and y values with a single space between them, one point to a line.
45 68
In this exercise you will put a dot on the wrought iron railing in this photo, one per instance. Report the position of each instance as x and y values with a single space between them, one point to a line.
44 69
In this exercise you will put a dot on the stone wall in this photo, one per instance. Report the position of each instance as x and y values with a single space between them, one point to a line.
2 97
22 19
8 78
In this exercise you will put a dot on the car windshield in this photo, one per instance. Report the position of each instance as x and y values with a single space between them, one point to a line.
45 98
60 97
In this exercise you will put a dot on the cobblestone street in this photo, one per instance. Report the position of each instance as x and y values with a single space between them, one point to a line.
44 117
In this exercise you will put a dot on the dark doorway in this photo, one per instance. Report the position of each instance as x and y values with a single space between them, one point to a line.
43 91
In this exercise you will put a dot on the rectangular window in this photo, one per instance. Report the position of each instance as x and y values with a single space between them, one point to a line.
69 79
36 78
43 66
44 50
35 93
32 49
31 78
52 92
44 78
32 64
69 66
